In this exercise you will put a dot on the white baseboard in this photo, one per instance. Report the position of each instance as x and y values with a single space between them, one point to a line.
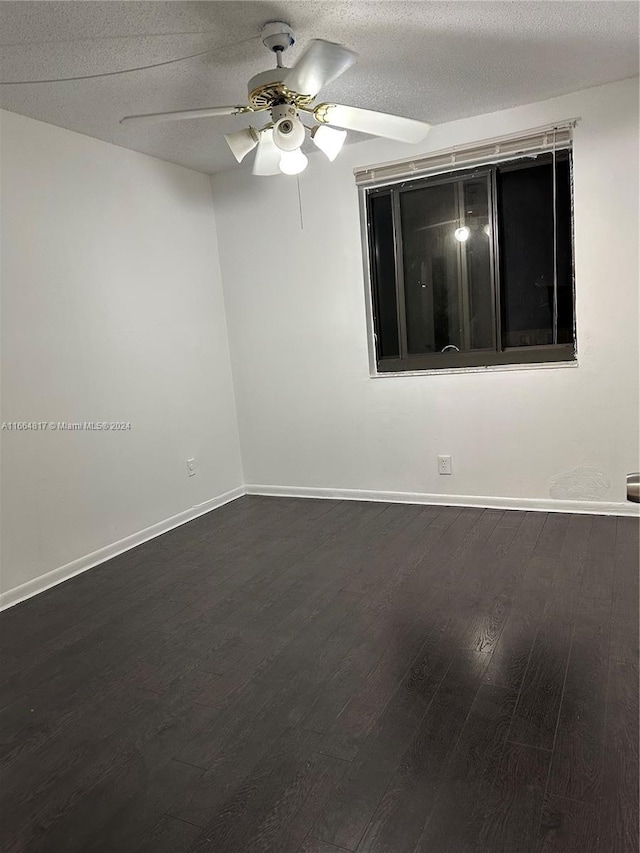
531 504
63 573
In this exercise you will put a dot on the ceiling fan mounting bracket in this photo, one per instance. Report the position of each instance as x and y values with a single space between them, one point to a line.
277 36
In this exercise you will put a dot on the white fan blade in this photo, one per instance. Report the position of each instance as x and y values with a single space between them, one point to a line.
320 64
374 123
267 159
179 115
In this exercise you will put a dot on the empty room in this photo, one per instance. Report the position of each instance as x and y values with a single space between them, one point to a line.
320 427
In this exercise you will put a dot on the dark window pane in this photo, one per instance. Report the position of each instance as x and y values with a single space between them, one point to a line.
526 226
383 269
565 253
429 218
447 278
476 258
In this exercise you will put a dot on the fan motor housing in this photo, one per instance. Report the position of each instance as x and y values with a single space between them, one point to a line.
272 78
267 90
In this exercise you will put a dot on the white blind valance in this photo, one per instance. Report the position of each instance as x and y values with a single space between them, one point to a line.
528 144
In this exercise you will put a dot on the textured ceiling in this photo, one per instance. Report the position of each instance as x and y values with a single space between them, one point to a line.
435 61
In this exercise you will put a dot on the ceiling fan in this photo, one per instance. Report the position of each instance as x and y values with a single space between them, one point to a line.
287 92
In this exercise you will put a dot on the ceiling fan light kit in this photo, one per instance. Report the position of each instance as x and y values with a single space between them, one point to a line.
328 140
288 130
287 92
242 142
293 162
268 155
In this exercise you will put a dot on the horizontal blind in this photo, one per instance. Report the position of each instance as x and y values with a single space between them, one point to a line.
528 144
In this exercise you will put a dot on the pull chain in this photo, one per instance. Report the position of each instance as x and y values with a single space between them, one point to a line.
300 203
555 245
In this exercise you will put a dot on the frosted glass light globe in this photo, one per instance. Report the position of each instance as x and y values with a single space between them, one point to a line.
293 162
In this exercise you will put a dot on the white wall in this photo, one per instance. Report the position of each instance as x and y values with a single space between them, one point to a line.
311 416
112 311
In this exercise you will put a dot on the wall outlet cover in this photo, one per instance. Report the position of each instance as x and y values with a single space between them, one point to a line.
444 465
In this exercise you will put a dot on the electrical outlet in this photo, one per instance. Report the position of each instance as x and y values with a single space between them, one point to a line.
444 465
191 467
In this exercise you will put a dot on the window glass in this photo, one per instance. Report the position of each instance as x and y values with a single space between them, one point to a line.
566 316
429 218
447 266
527 259
476 256
384 275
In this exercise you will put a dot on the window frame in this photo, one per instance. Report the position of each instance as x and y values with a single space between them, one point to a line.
500 356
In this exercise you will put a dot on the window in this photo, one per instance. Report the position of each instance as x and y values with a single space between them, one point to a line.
473 267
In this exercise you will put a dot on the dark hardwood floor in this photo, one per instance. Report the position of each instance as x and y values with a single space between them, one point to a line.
305 676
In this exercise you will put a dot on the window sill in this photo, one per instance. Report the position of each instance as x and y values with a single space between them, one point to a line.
492 368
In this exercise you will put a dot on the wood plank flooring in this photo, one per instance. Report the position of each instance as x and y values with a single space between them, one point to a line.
305 676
